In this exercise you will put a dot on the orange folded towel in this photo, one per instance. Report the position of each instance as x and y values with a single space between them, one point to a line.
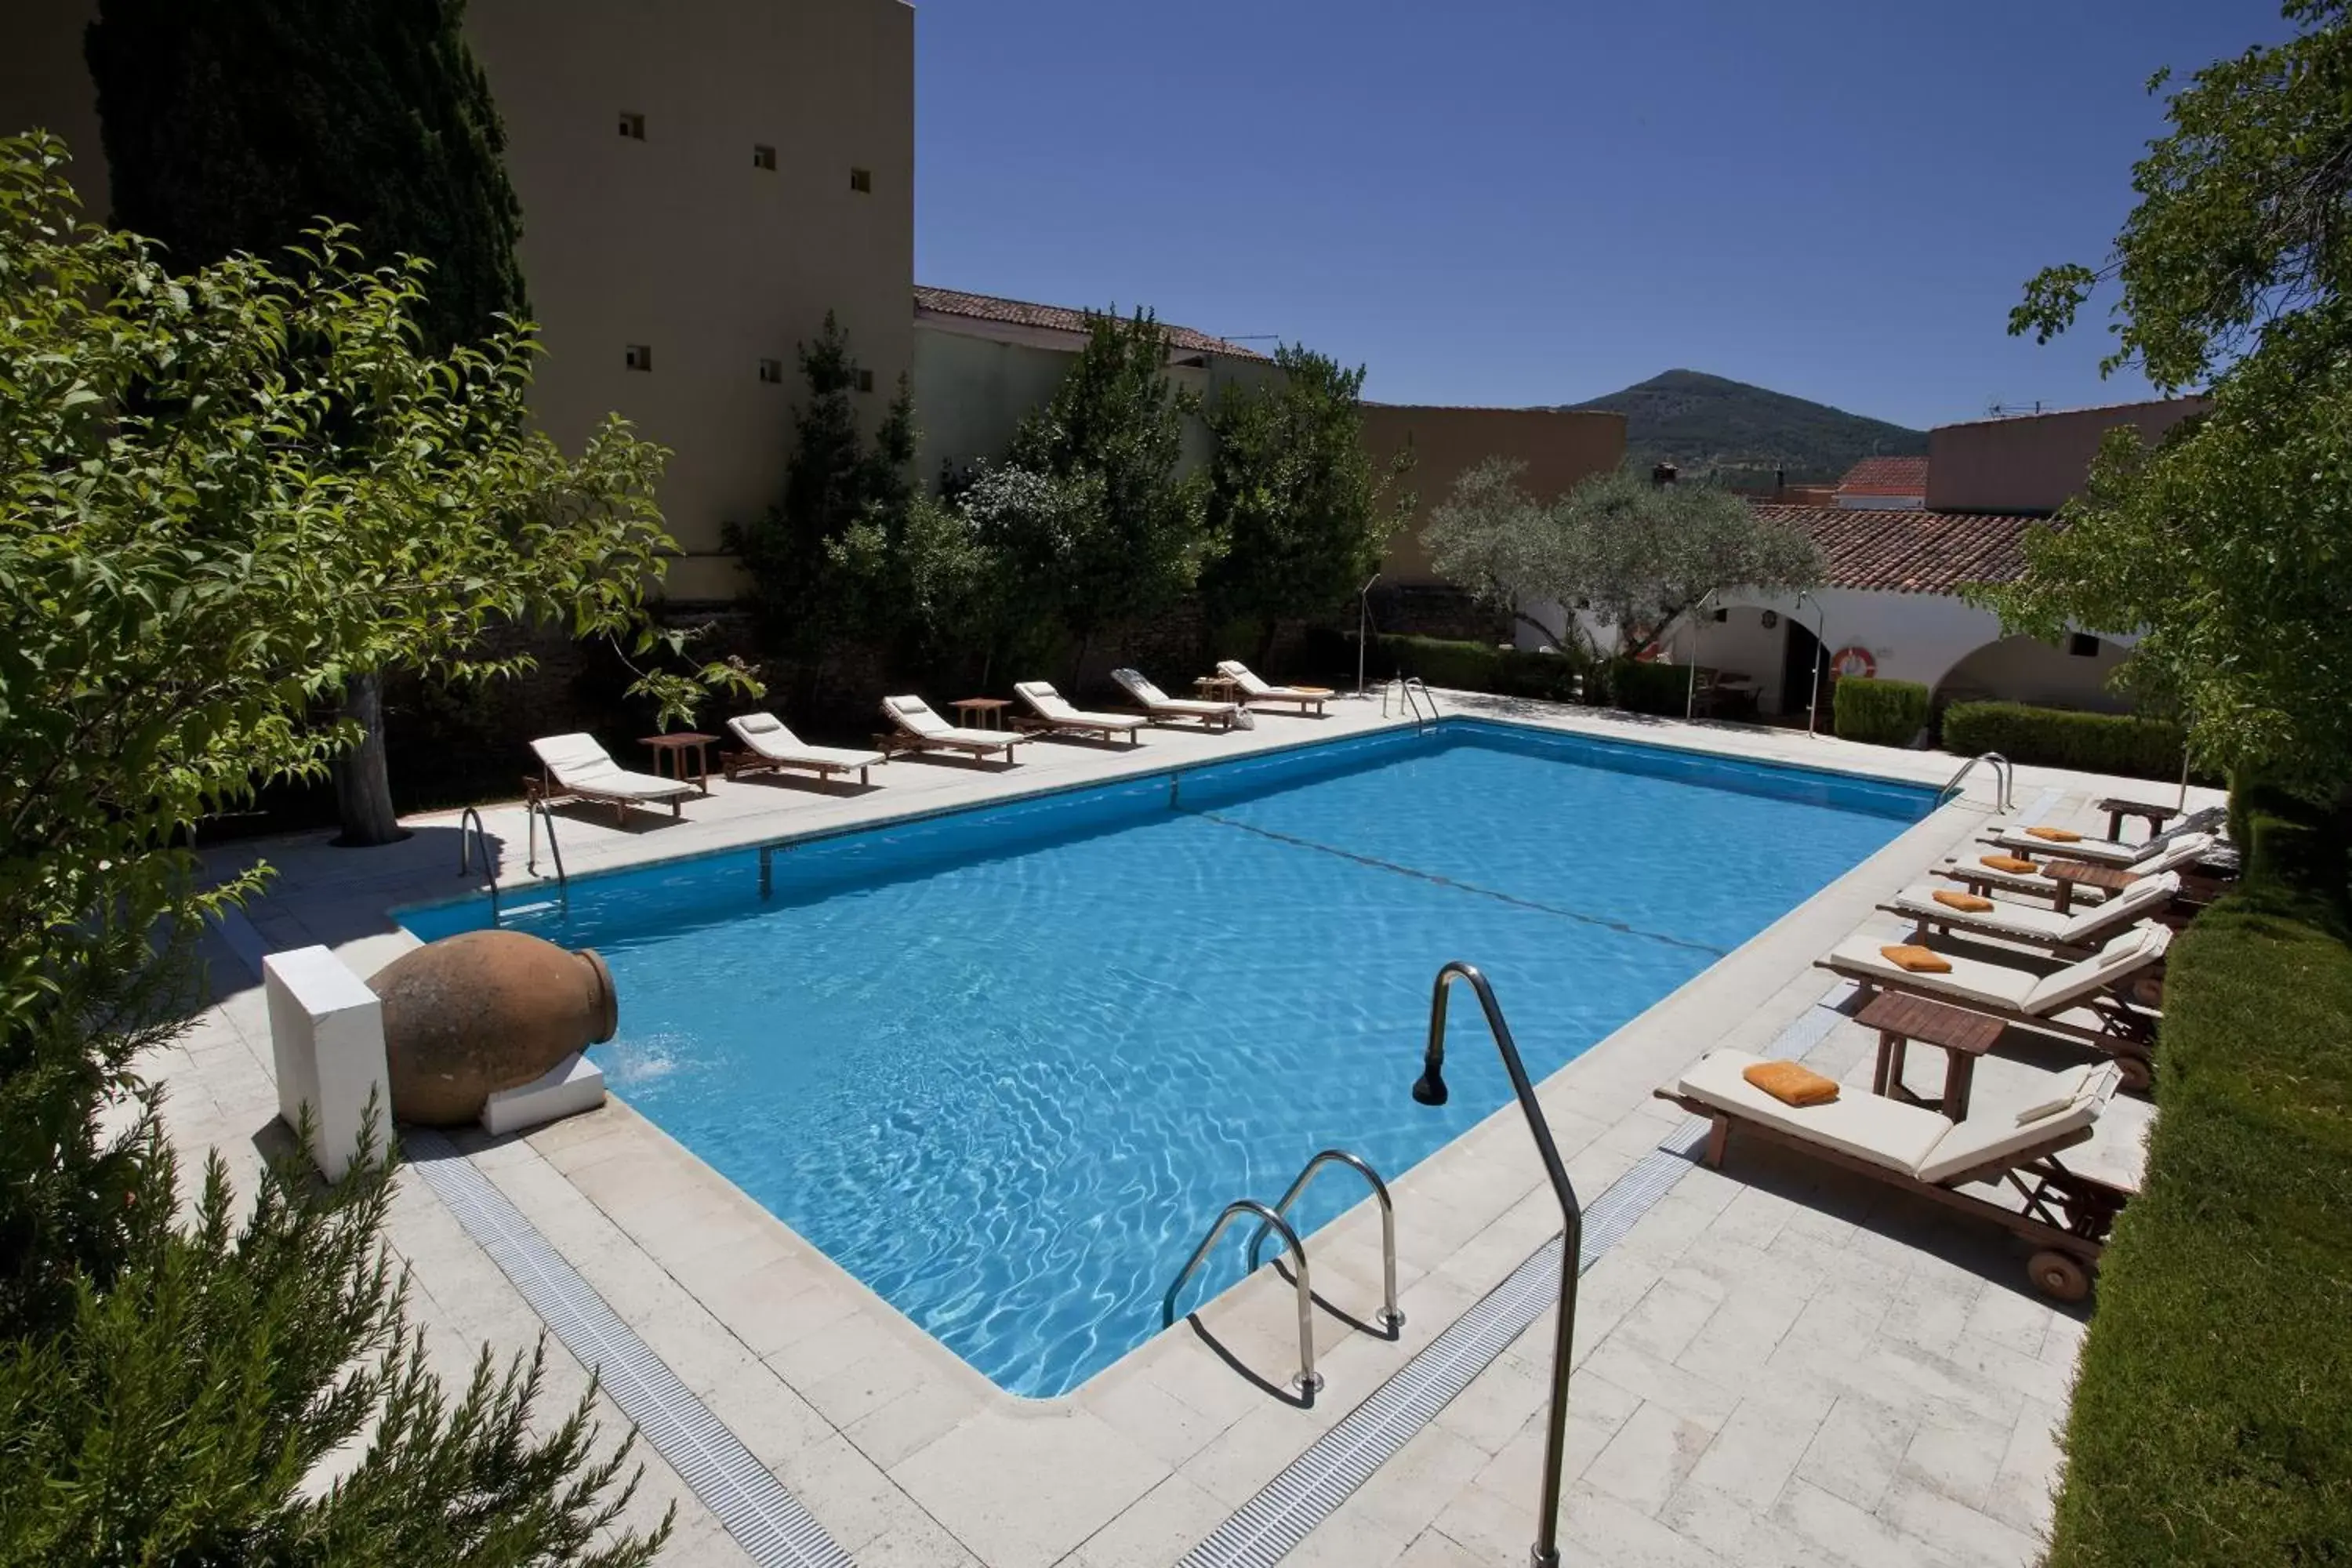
1966 903
1792 1083
2017 863
2056 835
1917 960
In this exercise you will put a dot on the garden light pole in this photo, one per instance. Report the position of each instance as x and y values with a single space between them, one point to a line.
1363 628
1431 1090
1690 692
1820 647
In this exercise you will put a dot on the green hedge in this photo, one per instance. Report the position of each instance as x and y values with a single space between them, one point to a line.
1482 666
2060 737
1882 712
1641 688
2212 1423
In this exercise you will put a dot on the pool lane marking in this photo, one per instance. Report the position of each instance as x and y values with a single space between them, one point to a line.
769 1525
1380 864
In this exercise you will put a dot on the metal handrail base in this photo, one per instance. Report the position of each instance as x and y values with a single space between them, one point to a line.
1391 1318
1309 1379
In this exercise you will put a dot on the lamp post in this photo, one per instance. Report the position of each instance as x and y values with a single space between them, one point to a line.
1363 627
1821 650
1690 692
1431 1090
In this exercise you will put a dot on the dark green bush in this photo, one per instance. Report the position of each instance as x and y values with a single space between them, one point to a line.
1882 712
2212 1423
1481 667
2062 738
1641 688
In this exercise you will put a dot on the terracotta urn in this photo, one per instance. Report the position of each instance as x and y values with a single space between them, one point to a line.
482 1011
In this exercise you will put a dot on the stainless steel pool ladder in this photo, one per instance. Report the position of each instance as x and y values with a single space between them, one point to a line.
1413 697
1390 1318
489 861
2004 781
532 810
1309 1379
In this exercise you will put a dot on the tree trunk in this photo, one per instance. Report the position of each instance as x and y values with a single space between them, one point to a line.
363 781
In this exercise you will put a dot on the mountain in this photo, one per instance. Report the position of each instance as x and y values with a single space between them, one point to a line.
1708 426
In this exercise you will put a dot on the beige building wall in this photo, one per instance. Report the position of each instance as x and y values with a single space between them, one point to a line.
679 242
2033 463
1558 447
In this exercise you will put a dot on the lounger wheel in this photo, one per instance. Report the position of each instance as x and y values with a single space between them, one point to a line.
2136 1073
2058 1276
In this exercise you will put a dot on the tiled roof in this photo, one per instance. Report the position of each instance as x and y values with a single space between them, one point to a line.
1054 318
1908 552
1887 476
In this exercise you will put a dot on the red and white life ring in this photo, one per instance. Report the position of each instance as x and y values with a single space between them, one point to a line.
1853 660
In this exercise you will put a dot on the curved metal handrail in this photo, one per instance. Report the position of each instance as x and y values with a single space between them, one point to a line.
1309 1379
1390 1318
1431 1090
489 861
533 809
2004 780
1407 688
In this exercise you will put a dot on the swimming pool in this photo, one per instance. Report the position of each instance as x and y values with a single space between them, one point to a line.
1006 1064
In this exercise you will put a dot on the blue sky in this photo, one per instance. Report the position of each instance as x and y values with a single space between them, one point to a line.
1534 203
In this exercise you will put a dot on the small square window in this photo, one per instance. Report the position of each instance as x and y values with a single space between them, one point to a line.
865 381
632 126
861 180
641 356
772 371
2082 645
763 157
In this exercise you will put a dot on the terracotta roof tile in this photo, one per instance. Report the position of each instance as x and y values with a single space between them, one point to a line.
1054 318
1910 552
1885 476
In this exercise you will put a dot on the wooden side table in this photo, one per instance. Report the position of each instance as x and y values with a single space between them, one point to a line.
2118 808
675 747
2067 873
1218 687
1962 1035
981 712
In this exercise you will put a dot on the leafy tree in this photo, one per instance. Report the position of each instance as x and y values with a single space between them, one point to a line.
237 128
2225 548
220 492
1113 436
1636 553
835 480
1294 496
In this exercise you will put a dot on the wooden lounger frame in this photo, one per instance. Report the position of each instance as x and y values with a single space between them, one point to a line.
544 789
2126 1031
738 763
2067 1212
1305 701
1968 924
1225 721
1039 724
906 741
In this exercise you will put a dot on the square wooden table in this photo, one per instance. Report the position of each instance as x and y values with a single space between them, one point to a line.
2118 808
1962 1035
2067 873
1217 688
675 747
981 712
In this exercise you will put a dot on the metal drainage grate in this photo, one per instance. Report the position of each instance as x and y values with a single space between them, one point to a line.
765 1519
1320 1479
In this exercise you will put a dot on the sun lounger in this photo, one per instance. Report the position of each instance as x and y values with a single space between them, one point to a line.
1163 709
922 730
1256 692
1968 867
574 767
2088 1000
1056 715
2080 931
2067 1215
2098 852
770 745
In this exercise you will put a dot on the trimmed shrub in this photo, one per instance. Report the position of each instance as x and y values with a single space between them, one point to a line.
1641 688
1482 666
2062 738
1882 712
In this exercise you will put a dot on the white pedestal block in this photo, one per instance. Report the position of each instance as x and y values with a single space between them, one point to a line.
326 1031
572 1085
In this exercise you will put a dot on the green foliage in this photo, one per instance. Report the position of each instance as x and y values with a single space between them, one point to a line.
2060 737
2226 546
1639 687
241 127
1294 496
2209 1425
1714 428
1636 553
220 493
1882 712
1483 667
837 483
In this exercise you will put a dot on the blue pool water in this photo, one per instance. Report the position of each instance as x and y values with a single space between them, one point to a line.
1005 1065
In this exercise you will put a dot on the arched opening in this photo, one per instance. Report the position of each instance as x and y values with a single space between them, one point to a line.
2072 674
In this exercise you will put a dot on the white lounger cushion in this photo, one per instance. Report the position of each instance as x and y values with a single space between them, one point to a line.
1041 695
2042 923
1901 1137
772 739
2005 987
1140 687
915 716
578 762
2133 950
1253 685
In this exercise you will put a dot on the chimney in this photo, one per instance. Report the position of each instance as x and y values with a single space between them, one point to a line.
1663 474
